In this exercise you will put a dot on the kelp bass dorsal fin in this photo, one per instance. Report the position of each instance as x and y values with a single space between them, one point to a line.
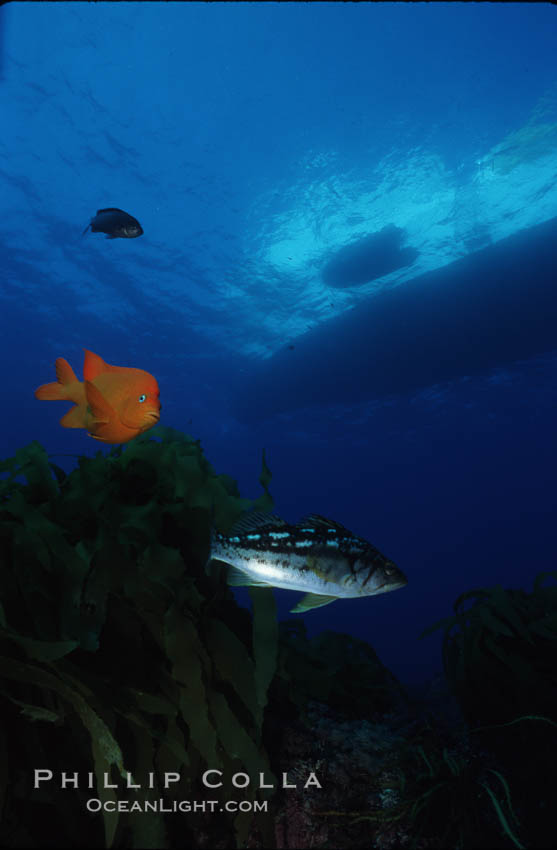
256 519
322 524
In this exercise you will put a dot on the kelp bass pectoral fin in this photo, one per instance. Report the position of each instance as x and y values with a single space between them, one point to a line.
312 600
238 578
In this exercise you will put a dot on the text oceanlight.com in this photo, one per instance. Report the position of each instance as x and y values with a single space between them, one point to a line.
171 807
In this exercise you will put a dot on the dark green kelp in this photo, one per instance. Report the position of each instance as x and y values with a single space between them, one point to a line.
124 661
499 652
118 654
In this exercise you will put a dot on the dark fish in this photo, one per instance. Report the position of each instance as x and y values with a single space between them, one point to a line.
115 223
317 555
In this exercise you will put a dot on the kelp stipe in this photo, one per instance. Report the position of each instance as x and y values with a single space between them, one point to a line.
117 651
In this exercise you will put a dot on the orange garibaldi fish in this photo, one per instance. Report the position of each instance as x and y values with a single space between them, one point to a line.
113 403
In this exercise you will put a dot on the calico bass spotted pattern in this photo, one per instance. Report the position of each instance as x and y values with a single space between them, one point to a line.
318 556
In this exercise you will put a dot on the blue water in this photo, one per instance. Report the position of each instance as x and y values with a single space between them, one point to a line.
252 141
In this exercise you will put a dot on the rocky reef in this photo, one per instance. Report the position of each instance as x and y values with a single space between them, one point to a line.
142 707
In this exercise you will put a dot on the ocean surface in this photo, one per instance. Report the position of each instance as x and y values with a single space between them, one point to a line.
295 166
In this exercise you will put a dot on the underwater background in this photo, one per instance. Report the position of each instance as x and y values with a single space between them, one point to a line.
254 143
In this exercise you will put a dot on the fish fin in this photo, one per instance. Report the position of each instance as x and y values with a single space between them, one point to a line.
50 392
64 372
255 519
57 390
93 366
312 600
238 578
110 209
86 229
74 418
101 410
111 236
321 523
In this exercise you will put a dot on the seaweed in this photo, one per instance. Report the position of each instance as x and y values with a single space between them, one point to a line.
499 653
122 658
110 623
453 802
